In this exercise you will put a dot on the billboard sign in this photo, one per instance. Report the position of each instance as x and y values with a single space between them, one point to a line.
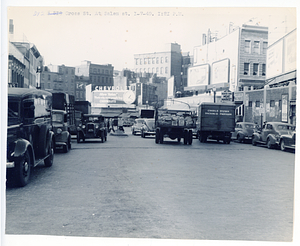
198 75
274 59
109 97
290 52
220 72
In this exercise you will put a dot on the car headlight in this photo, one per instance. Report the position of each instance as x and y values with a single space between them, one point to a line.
83 126
59 131
277 137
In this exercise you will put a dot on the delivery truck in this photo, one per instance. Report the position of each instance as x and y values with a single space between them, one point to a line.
215 121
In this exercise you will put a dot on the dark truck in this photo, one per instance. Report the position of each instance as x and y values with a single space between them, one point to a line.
65 102
30 139
215 121
175 124
81 107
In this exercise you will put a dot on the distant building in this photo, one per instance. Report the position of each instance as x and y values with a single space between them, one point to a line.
80 87
165 64
24 63
99 75
58 78
232 62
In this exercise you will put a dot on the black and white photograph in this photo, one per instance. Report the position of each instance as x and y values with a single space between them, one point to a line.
148 124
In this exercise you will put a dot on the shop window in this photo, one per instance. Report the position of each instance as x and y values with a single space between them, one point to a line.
255 69
250 104
272 103
279 104
246 68
263 72
257 104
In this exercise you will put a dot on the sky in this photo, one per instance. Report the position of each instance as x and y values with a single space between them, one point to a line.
112 35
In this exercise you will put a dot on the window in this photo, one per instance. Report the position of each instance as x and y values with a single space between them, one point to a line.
166 69
102 80
257 104
256 47
49 77
272 103
166 59
265 47
161 60
153 70
136 61
263 72
145 60
157 60
247 46
153 60
246 68
157 69
255 69
250 104
106 80
161 70
279 104
140 61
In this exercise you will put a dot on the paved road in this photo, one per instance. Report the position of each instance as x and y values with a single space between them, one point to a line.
131 187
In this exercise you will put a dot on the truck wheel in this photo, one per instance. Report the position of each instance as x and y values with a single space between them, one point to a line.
161 137
66 148
22 170
49 160
157 136
69 143
178 140
102 137
78 137
185 135
190 138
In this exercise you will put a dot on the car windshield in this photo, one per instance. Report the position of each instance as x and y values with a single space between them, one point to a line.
286 127
250 126
92 119
56 117
139 121
150 123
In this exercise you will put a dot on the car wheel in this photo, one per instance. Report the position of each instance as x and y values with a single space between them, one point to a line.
69 143
22 170
254 143
239 138
282 145
185 135
49 160
190 137
178 140
269 145
43 141
161 137
66 148
157 136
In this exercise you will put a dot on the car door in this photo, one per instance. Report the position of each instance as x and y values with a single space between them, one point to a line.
266 131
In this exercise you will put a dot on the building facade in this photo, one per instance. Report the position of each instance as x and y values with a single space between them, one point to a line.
99 75
164 64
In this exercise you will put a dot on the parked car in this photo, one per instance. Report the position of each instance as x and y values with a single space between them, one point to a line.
148 128
60 128
287 141
244 131
136 127
30 139
272 133
92 126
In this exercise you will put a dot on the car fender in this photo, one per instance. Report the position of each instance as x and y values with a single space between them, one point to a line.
256 136
241 133
272 138
21 146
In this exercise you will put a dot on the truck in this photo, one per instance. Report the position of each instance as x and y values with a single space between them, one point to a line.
81 108
175 124
65 102
215 121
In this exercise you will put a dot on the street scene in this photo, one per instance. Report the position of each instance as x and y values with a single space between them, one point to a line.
151 123
131 187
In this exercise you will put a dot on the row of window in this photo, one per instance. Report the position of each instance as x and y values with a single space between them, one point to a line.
254 47
106 71
255 69
156 70
151 60
103 80
66 71
257 104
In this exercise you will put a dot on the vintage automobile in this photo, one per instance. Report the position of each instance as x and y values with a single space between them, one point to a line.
136 127
243 131
30 139
92 126
288 141
148 128
62 135
272 133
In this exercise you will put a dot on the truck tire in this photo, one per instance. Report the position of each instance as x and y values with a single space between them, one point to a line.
161 137
69 143
157 136
42 142
78 137
185 137
190 135
66 148
178 140
22 170
49 160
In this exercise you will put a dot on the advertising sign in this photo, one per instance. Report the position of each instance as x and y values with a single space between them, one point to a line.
290 52
220 72
112 97
198 75
274 59
284 110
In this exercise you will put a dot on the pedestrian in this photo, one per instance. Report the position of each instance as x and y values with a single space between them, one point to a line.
108 125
